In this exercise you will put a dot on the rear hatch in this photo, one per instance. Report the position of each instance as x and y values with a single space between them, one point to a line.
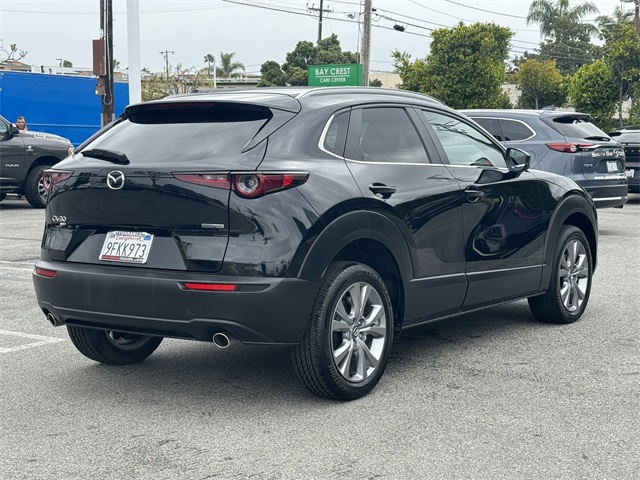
597 156
630 141
152 191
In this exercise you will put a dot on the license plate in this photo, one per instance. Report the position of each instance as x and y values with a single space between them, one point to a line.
629 173
129 247
612 166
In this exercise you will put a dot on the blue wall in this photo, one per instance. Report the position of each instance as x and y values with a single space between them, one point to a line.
64 105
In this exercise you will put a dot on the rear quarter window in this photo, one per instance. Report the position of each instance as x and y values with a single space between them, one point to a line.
515 130
336 134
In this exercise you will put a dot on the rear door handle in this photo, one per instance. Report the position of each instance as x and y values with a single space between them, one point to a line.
473 194
385 191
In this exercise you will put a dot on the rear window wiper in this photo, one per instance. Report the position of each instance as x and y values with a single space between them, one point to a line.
109 155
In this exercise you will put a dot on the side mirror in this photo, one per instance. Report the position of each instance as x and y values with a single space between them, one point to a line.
518 161
13 130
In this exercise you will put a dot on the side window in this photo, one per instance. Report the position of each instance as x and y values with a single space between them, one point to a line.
387 135
336 135
4 128
490 125
515 130
463 144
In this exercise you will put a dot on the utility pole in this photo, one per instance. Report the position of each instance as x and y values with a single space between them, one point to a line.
106 81
133 43
320 11
366 42
636 18
166 60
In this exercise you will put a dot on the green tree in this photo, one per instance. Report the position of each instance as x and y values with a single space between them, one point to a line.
67 64
465 69
11 53
567 39
592 90
228 68
294 70
375 82
179 80
413 75
540 84
272 75
622 55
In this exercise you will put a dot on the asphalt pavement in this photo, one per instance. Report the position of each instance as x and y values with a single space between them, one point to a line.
490 395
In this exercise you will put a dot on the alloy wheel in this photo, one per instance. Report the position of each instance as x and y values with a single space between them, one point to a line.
573 275
358 332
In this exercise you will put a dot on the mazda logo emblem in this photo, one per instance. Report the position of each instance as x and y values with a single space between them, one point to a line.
115 180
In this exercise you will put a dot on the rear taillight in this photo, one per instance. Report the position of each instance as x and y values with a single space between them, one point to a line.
51 177
247 185
257 184
214 180
570 147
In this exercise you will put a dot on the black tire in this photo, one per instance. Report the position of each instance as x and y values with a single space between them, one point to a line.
34 189
112 348
345 359
568 294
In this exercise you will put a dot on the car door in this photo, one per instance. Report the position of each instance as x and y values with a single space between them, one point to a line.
400 175
503 216
12 158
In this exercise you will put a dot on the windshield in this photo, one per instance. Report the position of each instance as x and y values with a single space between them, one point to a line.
177 132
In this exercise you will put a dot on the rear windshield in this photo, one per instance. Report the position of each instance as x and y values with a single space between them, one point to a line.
577 127
626 137
155 133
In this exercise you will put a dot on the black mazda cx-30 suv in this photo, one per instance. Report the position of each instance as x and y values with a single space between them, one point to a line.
324 219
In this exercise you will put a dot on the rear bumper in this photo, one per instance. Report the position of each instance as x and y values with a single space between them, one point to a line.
607 195
633 177
153 302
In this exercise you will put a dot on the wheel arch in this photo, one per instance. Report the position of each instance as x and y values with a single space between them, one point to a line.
369 238
42 160
577 211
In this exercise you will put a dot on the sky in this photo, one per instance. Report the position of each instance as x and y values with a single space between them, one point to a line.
50 30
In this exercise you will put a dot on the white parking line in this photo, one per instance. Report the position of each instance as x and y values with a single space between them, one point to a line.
42 340
3 268
16 245
19 266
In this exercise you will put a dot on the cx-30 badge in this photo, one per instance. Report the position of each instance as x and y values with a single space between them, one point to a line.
115 180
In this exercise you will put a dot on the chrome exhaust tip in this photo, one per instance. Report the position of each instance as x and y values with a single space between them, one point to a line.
221 340
53 320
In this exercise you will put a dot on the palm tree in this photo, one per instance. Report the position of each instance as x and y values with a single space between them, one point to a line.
554 18
567 37
209 59
229 68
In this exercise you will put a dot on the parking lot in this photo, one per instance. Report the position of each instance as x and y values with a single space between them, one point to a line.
487 395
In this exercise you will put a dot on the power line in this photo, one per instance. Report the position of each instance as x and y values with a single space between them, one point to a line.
487 11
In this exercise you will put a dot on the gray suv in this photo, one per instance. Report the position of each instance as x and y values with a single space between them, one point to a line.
24 155
566 143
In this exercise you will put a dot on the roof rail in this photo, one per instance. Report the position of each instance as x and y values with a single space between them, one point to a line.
368 90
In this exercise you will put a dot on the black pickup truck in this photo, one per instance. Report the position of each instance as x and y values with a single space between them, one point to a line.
24 155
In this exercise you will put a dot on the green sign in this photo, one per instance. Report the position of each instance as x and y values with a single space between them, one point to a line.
335 75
